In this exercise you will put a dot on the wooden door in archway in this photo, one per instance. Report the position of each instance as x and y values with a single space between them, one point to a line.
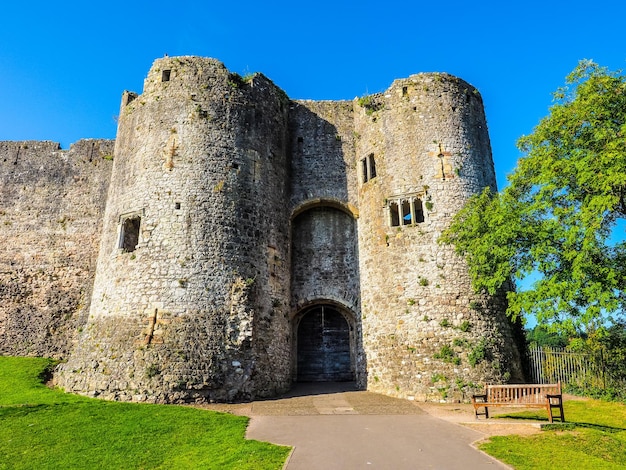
324 346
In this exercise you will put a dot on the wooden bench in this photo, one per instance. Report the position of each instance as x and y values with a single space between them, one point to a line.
548 396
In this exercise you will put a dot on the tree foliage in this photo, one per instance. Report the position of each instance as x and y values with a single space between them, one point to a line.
541 336
556 220
613 343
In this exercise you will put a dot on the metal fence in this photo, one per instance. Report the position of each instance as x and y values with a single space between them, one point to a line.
548 365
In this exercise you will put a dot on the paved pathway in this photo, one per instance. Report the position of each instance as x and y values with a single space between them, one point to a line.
334 427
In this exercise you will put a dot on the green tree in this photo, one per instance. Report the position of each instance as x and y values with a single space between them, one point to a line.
556 219
613 344
542 336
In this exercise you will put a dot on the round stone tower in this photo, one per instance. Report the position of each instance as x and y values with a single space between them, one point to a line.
422 150
191 296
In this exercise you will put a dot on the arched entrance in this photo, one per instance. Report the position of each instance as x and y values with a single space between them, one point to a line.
324 346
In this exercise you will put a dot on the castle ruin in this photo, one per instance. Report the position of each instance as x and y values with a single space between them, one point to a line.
232 241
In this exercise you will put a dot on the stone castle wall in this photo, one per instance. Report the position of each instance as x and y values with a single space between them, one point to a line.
233 213
50 223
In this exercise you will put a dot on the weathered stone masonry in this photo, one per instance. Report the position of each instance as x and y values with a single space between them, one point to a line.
51 207
249 241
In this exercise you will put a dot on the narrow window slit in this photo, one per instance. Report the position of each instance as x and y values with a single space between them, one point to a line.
368 168
372 166
394 216
406 213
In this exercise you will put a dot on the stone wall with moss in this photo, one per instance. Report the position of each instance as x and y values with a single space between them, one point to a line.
427 334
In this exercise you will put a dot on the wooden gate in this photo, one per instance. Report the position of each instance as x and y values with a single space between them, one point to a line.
324 346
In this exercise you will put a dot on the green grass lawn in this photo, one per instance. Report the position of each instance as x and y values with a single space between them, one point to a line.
593 437
48 429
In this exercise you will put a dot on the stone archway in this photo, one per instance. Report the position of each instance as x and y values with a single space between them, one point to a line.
324 345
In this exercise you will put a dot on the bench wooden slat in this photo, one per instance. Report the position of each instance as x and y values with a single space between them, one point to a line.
546 396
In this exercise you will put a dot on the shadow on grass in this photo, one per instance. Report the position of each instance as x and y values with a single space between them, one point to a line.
14 410
599 427
567 425
8 411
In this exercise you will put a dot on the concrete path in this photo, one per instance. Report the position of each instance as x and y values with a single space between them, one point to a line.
334 427
372 442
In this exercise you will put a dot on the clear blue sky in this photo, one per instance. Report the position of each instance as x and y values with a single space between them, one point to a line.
64 64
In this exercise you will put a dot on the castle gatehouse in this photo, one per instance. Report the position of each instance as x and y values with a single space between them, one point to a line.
232 241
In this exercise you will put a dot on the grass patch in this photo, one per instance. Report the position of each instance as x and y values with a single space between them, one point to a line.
594 437
48 429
